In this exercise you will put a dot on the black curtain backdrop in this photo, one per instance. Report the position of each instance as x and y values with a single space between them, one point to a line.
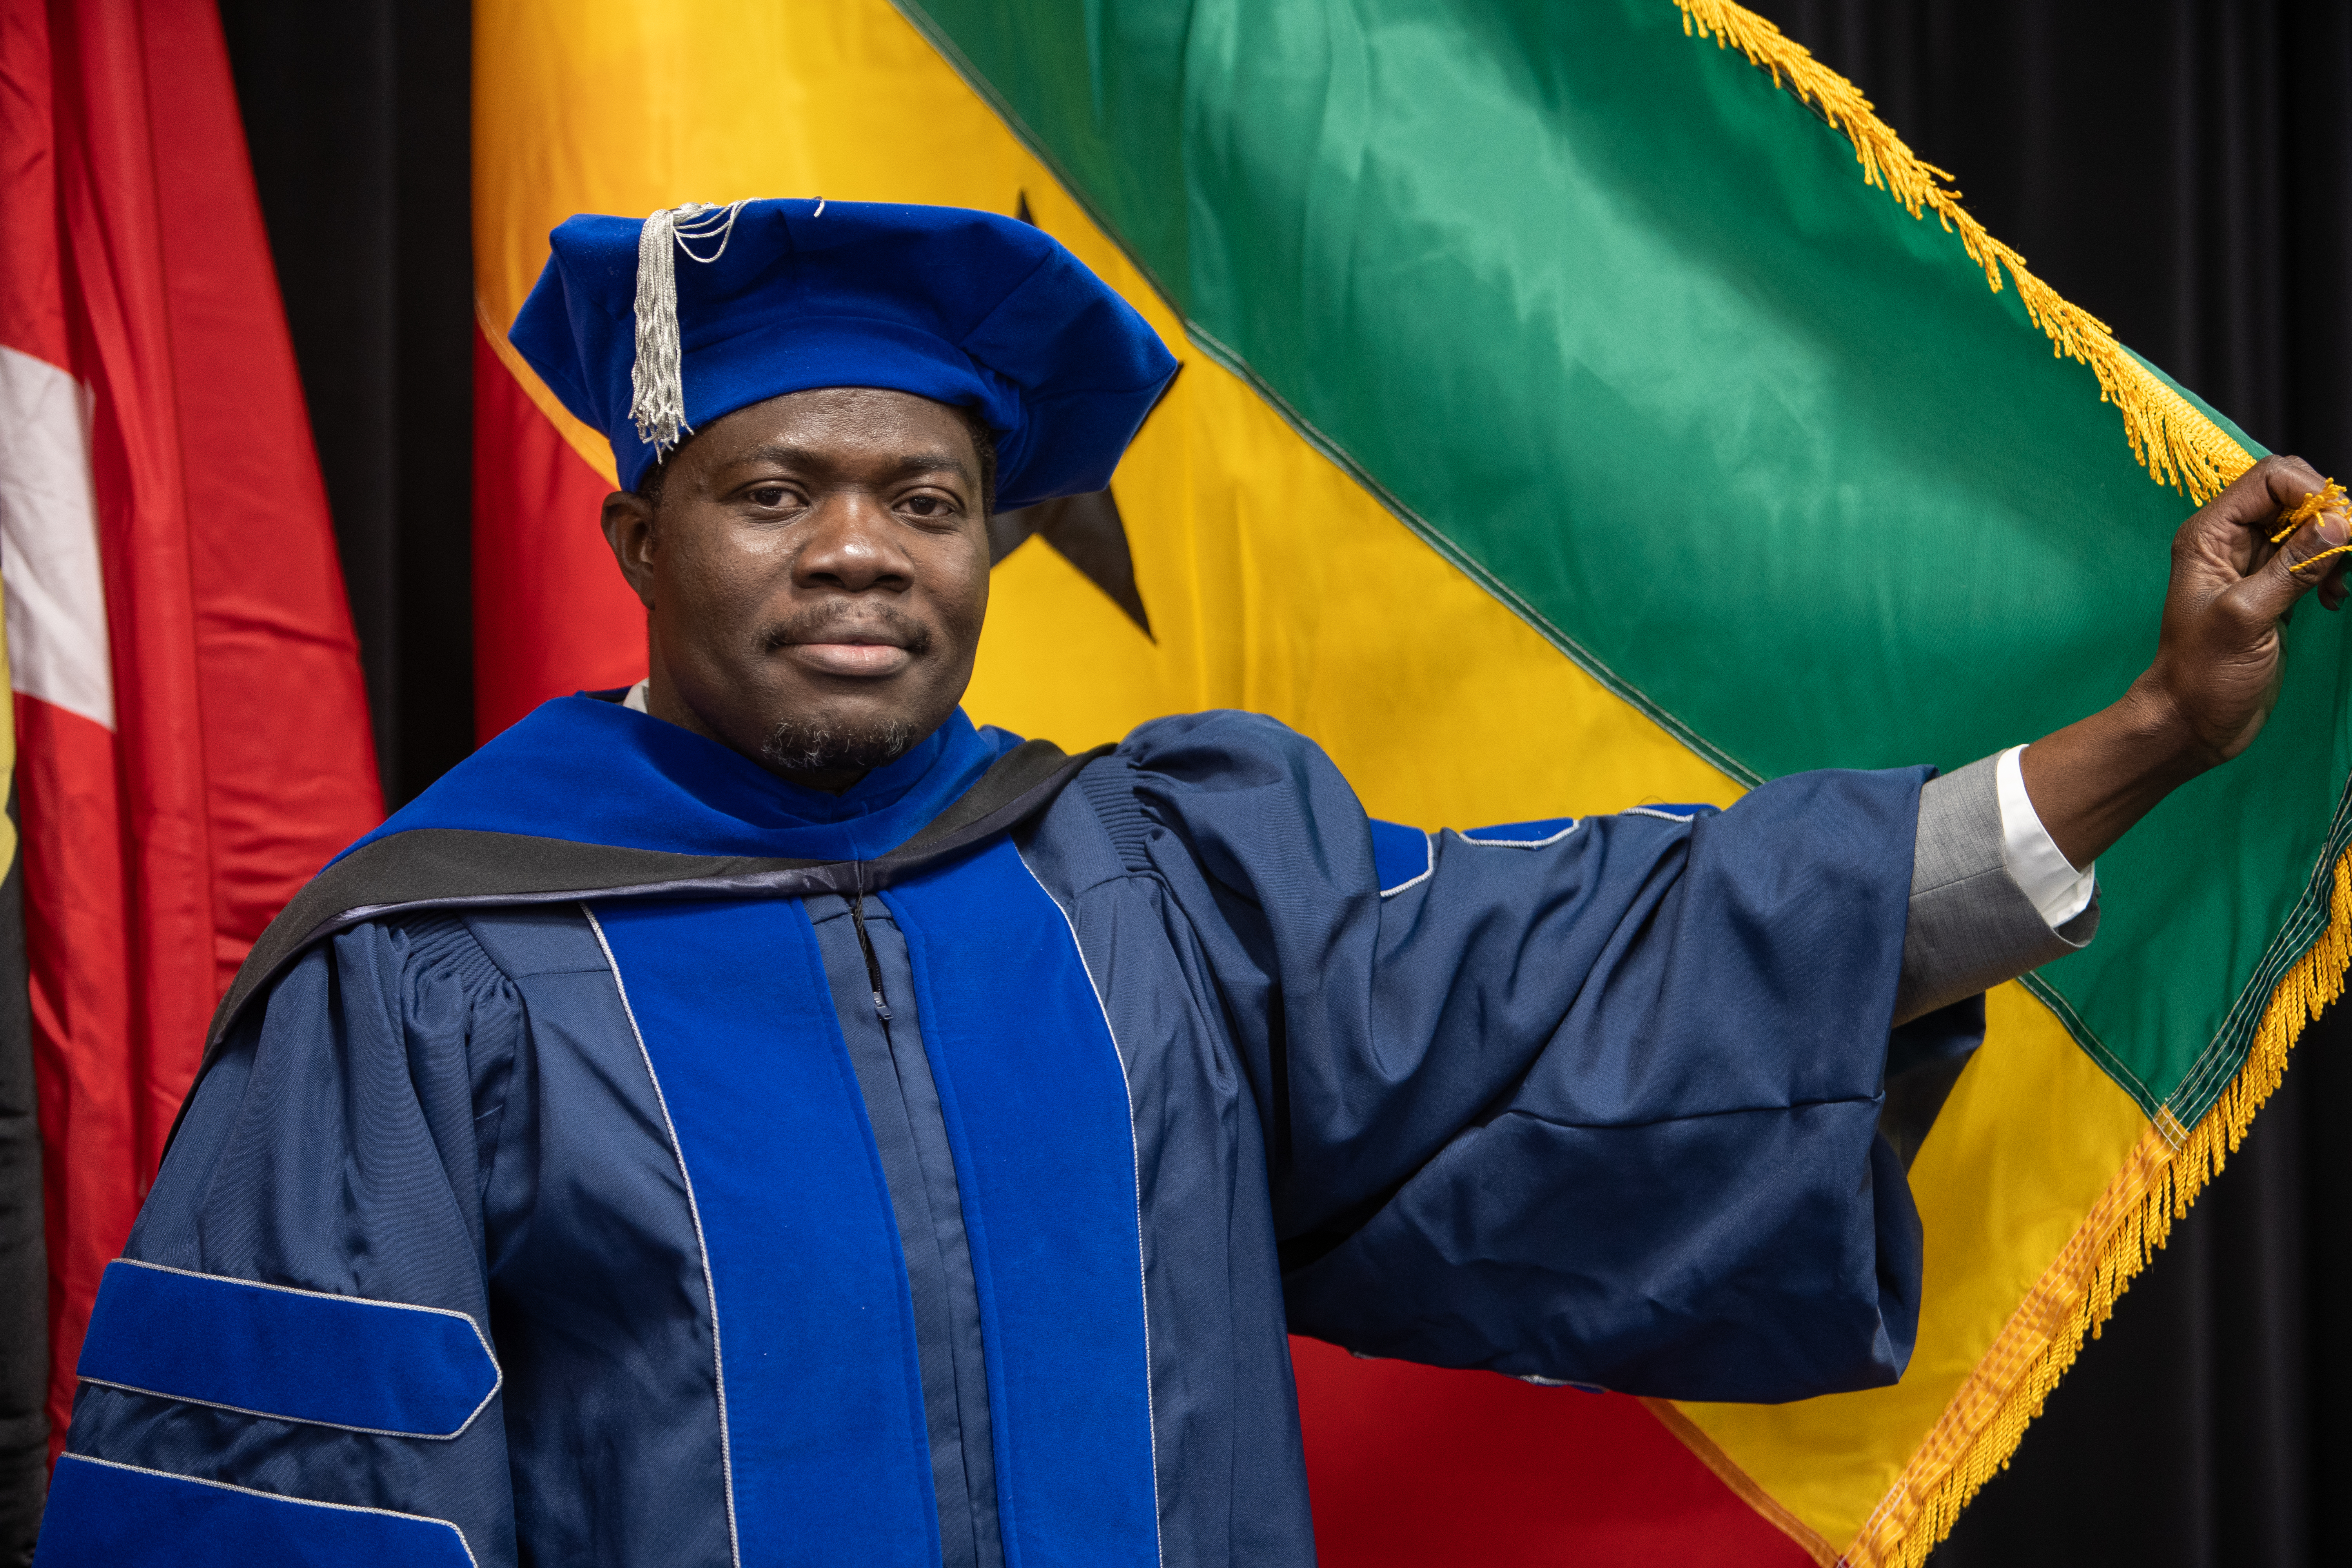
358 115
2180 167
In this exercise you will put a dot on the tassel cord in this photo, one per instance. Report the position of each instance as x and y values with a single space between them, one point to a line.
656 379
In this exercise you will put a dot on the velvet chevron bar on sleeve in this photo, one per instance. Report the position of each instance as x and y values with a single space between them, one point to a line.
1581 405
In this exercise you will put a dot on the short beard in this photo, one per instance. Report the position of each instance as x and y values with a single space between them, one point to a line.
807 746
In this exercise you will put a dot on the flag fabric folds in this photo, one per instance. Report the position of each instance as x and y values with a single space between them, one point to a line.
191 734
1581 406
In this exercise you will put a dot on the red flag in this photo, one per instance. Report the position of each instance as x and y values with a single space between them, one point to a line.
551 615
192 729
1415 1466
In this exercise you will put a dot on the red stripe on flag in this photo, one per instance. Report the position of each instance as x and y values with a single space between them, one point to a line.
32 298
1418 1468
114 267
289 757
240 757
551 615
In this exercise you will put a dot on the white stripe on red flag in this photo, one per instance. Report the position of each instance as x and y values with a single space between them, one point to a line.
48 540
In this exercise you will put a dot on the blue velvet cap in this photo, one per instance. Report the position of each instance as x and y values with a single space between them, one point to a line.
960 306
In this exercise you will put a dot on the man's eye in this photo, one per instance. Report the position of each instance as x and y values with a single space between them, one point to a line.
770 496
927 505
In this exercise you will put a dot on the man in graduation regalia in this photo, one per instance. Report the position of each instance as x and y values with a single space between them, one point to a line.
758 1118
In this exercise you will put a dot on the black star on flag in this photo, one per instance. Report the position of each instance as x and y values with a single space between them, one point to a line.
1086 530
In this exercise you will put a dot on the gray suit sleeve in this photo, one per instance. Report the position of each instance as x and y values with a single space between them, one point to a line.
1970 926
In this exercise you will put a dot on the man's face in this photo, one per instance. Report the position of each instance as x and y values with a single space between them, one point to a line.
815 578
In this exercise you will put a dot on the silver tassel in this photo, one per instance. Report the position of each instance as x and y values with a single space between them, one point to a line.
657 391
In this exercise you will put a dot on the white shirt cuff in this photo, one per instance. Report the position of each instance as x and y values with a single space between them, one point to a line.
2058 890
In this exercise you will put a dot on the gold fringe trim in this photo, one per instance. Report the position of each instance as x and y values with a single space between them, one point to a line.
1979 1429
2174 443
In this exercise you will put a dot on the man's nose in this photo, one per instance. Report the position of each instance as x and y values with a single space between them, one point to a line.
853 544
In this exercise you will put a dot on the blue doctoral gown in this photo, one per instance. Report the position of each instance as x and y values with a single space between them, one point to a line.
962 1222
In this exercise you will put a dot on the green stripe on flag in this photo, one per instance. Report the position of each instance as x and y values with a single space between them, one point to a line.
1617 324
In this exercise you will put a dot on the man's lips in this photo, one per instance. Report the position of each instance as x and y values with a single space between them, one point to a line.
852 658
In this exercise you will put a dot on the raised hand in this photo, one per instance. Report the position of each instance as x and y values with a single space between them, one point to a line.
2219 661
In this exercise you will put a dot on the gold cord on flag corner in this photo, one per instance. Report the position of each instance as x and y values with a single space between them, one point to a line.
2329 497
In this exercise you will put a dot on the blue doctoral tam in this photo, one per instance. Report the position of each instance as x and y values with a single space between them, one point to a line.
772 297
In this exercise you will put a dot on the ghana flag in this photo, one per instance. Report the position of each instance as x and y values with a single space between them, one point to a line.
1581 405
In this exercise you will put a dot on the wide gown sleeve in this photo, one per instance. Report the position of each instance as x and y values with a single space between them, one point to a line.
291 1362
1590 1101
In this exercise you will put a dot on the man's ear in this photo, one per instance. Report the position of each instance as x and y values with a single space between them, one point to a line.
629 530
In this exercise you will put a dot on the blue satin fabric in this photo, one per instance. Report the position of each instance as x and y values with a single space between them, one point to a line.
1599 1109
1601 1112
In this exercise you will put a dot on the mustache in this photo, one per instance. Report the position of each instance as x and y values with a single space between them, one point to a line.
881 623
